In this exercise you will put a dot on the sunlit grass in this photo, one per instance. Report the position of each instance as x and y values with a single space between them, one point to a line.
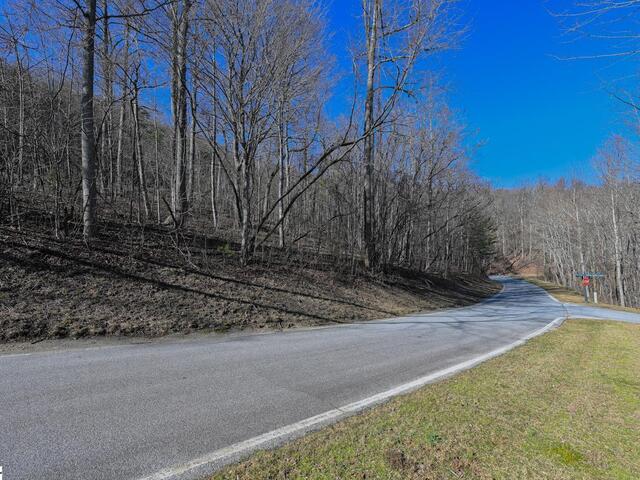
564 406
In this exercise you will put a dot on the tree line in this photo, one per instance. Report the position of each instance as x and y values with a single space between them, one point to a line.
573 227
214 114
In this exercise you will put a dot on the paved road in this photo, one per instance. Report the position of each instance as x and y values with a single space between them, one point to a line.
129 411
581 311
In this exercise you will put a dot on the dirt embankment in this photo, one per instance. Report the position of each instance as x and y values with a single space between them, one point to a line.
129 285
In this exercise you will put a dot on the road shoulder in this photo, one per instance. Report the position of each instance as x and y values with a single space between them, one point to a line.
556 405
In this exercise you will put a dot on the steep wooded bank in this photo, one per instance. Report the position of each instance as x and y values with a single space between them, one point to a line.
214 114
573 227
136 282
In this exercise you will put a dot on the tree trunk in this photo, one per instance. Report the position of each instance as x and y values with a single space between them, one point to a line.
283 161
192 145
88 147
138 150
157 165
181 17
247 239
123 108
21 116
214 175
107 133
617 250
579 242
372 18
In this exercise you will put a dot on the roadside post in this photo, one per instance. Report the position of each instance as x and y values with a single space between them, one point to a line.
586 282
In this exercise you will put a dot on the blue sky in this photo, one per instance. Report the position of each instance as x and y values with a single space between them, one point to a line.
537 116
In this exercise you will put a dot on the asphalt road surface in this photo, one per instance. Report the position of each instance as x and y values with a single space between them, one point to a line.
135 410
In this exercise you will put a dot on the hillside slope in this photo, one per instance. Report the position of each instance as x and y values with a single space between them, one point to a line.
137 282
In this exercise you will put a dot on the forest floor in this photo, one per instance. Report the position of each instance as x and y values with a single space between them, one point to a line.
133 282
571 296
562 406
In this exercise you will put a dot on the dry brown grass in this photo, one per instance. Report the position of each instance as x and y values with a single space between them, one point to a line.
571 296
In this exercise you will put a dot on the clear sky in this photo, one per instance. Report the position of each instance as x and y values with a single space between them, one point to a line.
537 116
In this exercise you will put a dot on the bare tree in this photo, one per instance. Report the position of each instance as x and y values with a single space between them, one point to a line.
89 195
180 16
612 161
245 77
249 82
398 34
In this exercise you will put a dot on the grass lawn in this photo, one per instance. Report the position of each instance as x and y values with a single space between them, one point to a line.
565 405
568 295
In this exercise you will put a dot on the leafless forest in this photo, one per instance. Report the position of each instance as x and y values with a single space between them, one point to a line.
206 132
211 117
572 227
213 156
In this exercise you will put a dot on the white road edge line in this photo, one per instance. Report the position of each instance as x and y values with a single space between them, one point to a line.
239 450
9 355
553 298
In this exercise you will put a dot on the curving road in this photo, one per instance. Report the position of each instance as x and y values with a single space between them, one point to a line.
181 409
